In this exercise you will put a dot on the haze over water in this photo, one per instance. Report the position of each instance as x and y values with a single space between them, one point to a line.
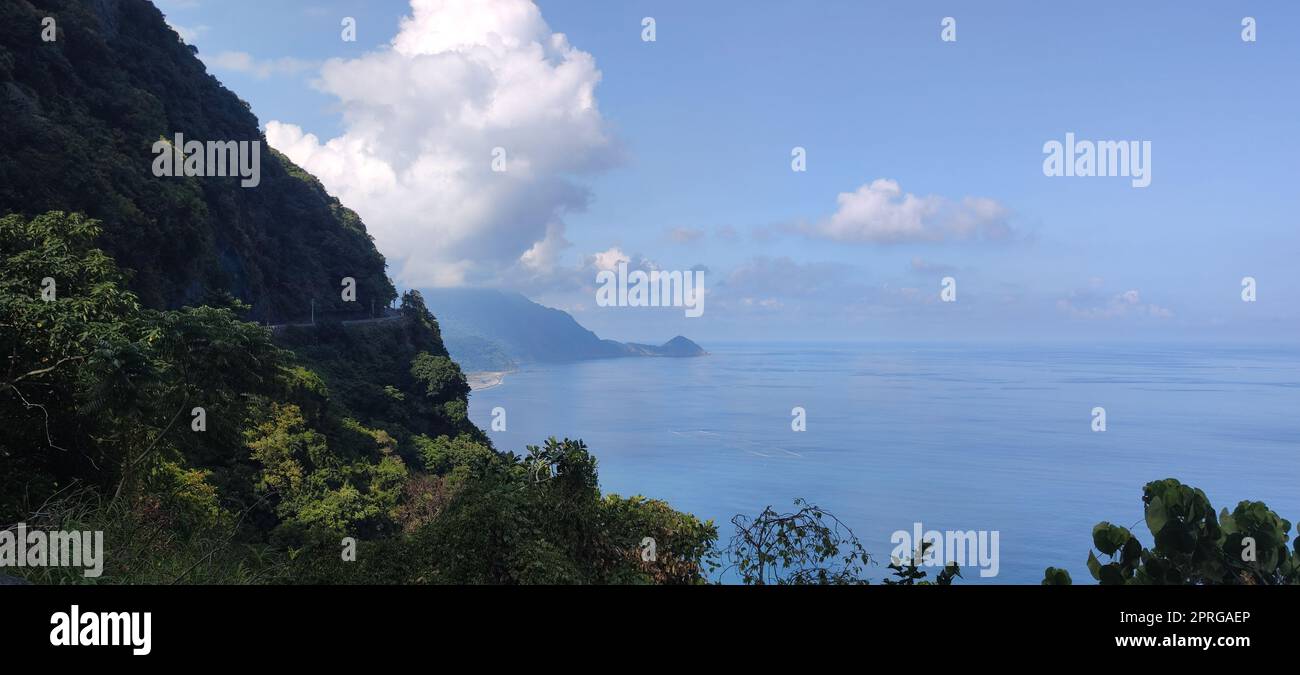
995 437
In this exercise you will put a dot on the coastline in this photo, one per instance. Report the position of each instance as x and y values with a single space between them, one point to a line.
481 380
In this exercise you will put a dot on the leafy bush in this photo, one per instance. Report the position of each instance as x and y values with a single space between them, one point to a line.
1192 546
806 546
907 573
525 520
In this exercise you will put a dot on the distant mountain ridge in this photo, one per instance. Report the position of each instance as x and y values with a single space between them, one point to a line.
676 347
487 329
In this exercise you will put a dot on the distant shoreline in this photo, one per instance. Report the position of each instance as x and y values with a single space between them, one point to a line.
486 379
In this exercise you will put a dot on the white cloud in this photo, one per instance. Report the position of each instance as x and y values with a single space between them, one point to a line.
188 34
880 212
608 259
544 255
422 119
243 62
1090 305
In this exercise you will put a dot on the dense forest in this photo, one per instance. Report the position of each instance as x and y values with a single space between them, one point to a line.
142 394
207 452
81 114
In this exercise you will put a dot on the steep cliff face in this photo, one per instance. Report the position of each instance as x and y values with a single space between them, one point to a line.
173 402
80 117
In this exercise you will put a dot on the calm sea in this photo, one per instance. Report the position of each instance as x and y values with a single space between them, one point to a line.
995 438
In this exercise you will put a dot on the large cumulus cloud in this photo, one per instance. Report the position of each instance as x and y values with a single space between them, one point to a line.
423 119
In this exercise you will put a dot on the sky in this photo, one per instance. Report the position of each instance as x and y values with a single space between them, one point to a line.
923 157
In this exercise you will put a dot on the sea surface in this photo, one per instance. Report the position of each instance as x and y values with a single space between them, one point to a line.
985 438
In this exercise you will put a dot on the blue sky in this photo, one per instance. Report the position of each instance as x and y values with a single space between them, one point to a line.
682 156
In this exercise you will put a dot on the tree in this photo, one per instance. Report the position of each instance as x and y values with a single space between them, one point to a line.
807 546
1193 546
440 377
59 297
658 544
63 314
458 458
444 386
908 573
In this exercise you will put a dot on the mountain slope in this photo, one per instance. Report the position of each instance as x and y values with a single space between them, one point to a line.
137 399
526 332
97 372
80 117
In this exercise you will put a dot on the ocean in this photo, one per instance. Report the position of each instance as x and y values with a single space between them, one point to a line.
985 438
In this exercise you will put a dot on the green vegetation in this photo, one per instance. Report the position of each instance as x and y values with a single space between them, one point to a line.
810 546
906 572
502 519
805 547
207 452
80 117
1193 546
140 396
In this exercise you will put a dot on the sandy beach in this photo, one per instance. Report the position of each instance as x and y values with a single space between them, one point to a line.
485 379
